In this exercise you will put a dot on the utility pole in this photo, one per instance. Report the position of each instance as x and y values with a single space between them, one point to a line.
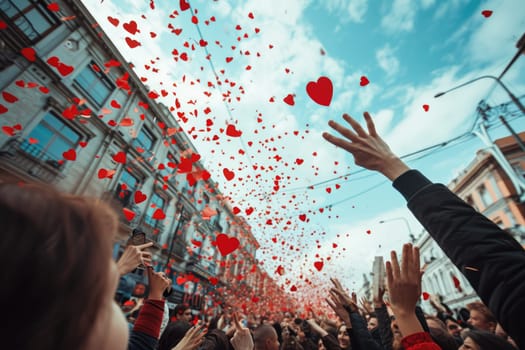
483 135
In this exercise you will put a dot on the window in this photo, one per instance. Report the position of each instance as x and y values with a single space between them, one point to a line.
127 186
54 138
169 165
94 84
484 195
145 139
31 17
156 202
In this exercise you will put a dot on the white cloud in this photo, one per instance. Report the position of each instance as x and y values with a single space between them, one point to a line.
357 10
387 60
401 16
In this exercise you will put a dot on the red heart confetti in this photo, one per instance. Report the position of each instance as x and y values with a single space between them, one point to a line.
289 100
226 244
8 130
184 5
128 214
364 81
159 214
120 157
70 154
232 131
318 265
9 97
321 91
426 296
131 27
29 53
426 107
139 197
113 21
53 7
229 175
132 43
486 13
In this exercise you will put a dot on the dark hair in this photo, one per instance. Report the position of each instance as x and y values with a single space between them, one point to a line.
442 338
488 341
173 334
56 246
180 308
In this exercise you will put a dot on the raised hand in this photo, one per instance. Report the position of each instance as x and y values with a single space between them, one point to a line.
369 149
192 339
242 339
133 257
366 305
158 282
404 288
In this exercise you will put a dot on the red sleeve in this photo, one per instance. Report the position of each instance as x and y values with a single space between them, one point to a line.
419 341
150 318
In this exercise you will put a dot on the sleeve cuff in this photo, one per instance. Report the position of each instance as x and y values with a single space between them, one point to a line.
411 182
150 318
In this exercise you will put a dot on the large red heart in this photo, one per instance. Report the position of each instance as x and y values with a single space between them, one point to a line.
228 174
321 92
130 27
226 244
140 197
70 154
232 131
318 265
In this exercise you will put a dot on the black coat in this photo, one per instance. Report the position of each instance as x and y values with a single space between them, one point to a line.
492 261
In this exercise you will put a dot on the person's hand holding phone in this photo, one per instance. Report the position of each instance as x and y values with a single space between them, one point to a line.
158 282
242 339
133 257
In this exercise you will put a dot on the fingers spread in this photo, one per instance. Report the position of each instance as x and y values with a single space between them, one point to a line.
357 127
370 124
347 133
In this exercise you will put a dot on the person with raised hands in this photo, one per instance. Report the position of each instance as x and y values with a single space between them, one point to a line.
192 339
134 256
328 341
495 263
404 288
242 338
360 337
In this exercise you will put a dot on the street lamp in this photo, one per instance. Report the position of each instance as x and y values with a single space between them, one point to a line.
511 95
411 234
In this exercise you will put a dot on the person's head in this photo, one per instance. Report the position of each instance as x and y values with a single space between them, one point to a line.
265 338
173 334
442 338
453 327
182 312
483 340
58 246
139 290
343 337
480 317
372 322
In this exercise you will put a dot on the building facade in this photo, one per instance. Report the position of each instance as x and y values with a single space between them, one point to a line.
75 115
484 185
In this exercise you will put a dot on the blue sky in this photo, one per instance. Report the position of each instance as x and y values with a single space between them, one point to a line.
409 50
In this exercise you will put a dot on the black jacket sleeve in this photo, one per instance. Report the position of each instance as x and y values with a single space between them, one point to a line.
362 338
141 341
385 332
492 261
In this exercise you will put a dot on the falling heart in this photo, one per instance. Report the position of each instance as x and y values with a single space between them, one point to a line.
486 13
364 81
321 91
227 244
70 154
232 131
139 197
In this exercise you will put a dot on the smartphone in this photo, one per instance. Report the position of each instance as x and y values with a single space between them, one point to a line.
137 238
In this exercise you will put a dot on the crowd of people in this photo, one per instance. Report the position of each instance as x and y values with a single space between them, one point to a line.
58 247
